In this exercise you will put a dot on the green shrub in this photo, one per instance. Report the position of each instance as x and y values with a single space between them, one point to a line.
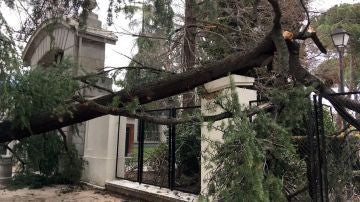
188 142
47 162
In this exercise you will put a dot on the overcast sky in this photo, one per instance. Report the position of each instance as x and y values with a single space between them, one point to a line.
323 5
125 44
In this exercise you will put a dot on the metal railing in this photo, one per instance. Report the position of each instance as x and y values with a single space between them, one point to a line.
157 157
321 148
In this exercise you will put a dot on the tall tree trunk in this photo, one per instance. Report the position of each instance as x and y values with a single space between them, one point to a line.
189 47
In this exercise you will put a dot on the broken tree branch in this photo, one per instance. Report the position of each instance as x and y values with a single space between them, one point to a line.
313 36
166 87
97 86
170 120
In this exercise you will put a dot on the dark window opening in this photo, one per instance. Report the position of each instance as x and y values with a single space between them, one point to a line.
59 57
129 139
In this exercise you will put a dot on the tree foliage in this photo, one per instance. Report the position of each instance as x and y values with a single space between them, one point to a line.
41 90
258 160
9 64
347 17
25 92
48 162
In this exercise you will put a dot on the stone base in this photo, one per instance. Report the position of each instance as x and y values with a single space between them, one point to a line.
147 192
98 170
5 181
5 170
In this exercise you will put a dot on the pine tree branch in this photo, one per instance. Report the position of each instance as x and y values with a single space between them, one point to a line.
307 79
169 120
97 86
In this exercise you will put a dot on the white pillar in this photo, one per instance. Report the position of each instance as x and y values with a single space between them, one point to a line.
214 88
100 149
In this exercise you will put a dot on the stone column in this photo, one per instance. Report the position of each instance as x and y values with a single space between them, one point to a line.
100 149
213 89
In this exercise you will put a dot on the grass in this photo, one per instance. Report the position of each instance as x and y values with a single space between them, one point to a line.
148 150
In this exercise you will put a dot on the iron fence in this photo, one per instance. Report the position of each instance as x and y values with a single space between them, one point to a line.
333 157
169 156
166 155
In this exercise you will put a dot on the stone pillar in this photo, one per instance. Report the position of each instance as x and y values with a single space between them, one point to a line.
101 134
214 88
100 149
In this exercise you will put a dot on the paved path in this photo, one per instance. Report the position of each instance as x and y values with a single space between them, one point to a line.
60 194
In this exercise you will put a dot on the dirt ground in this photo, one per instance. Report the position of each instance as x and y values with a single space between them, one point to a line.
60 193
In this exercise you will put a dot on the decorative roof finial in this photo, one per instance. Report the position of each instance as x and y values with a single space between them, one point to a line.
92 5
89 5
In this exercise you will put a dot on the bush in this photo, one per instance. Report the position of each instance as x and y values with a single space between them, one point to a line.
188 143
31 180
47 162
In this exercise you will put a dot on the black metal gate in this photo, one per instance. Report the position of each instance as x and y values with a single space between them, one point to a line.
161 152
317 164
160 161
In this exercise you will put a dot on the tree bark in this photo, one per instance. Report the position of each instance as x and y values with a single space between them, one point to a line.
175 84
189 47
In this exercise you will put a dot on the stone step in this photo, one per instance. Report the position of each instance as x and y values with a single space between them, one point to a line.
147 192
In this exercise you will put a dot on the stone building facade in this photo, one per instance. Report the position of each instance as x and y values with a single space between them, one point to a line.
96 140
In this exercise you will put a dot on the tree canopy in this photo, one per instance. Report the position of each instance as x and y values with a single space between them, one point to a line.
345 16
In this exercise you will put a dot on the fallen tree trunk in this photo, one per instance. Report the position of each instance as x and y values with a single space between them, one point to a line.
173 85
167 87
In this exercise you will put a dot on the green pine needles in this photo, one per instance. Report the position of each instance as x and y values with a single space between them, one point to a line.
47 161
30 91
42 90
257 161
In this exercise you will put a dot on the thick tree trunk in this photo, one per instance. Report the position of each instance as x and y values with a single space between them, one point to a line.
176 84
189 47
